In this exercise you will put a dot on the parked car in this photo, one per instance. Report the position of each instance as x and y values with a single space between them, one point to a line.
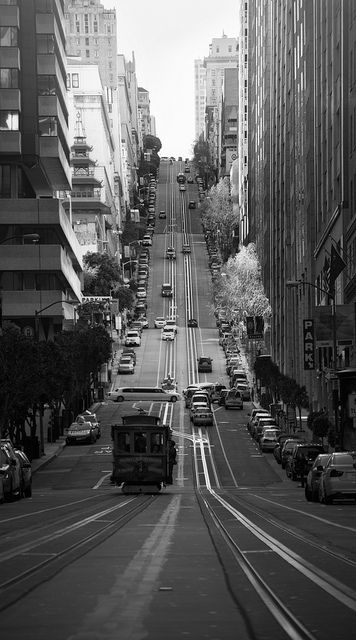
301 459
146 240
10 471
129 351
126 365
277 451
141 292
233 400
288 448
261 425
26 473
88 416
133 338
313 477
268 440
79 432
244 390
338 478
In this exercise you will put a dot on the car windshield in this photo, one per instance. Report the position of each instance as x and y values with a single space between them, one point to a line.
84 426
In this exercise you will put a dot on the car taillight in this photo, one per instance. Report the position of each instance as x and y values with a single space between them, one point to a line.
335 473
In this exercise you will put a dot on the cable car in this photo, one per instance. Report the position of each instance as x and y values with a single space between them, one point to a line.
143 454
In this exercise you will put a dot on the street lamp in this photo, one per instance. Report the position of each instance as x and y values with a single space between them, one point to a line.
39 311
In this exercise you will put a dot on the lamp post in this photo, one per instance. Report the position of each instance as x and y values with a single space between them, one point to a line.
290 284
39 311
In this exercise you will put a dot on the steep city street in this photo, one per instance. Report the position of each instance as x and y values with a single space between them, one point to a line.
231 550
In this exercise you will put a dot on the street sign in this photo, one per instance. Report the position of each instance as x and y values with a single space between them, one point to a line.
309 344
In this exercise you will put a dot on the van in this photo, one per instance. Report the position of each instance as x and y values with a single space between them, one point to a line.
167 290
205 364
136 394
233 400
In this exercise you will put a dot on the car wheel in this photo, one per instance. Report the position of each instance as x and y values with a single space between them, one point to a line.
120 399
308 494
173 398
314 496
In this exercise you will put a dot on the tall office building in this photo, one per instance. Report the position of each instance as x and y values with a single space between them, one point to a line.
39 281
200 97
144 114
223 54
91 35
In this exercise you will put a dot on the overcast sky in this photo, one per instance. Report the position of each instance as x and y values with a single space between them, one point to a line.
167 37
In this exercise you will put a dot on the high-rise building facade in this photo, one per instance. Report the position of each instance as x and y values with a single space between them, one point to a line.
223 54
91 35
301 202
41 280
200 97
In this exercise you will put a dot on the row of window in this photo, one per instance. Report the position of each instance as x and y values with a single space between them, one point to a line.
10 121
30 281
46 84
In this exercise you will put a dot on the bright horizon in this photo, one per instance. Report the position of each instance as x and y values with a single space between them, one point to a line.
166 39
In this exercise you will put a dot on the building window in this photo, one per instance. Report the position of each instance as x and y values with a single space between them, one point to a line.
9 79
9 120
46 85
96 54
87 42
68 80
45 43
95 27
8 36
47 126
87 53
75 80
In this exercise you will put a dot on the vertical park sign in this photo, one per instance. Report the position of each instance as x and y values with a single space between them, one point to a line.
309 344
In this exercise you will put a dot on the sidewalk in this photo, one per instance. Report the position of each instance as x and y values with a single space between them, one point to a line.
54 449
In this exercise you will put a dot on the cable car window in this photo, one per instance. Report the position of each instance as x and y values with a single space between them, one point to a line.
156 443
140 443
123 442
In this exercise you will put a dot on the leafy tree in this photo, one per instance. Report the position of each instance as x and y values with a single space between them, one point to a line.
240 290
321 426
104 274
219 219
152 142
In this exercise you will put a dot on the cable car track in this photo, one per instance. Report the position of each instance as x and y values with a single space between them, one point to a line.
42 563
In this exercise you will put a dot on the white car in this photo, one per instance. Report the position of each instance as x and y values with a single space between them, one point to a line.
168 334
160 322
126 365
132 338
146 241
135 394
171 324
141 292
